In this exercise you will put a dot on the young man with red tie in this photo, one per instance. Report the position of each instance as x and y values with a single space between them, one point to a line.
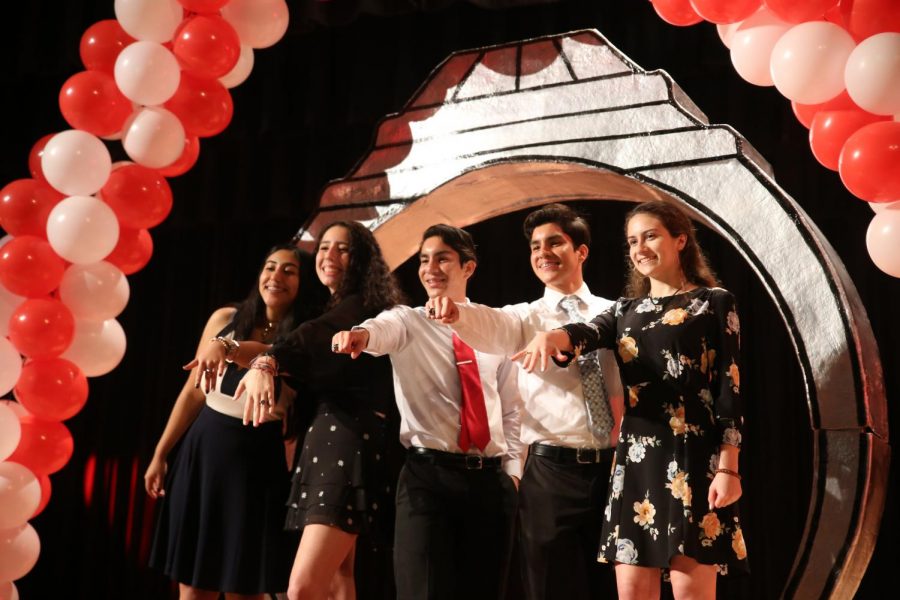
569 415
459 409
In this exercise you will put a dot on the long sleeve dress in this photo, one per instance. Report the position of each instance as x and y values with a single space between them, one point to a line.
341 477
679 358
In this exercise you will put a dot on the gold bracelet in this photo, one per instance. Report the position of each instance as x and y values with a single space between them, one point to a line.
729 472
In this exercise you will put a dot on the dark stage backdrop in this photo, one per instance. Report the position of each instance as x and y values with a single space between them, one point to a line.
306 114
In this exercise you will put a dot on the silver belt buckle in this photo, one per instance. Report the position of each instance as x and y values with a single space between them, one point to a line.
474 462
587 456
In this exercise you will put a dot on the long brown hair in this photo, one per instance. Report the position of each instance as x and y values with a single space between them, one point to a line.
694 265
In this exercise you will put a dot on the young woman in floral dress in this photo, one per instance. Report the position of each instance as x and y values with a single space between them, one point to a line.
675 480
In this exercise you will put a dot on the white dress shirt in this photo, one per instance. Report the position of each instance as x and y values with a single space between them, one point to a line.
428 389
554 411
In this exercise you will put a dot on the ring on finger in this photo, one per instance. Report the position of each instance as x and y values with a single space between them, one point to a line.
334 347
431 311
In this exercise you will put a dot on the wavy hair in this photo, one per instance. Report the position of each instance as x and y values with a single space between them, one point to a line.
694 266
367 273
311 298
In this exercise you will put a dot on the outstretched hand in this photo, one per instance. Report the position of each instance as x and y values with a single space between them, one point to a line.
442 309
350 342
259 403
210 363
542 347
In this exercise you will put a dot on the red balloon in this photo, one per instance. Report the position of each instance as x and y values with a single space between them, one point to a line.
187 159
45 446
676 12
864 18
725 11
202 105
806 112
140 197
101 44
207 46
133 250
25 205
203 6
870 162
793 11
91 101
831 128
34 158
29 267
46 490
52 388
41 328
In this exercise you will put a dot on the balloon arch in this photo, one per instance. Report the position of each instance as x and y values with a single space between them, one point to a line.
569 117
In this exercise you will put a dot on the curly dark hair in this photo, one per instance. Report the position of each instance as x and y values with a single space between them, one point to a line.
311 298
694 265
367 273
573 224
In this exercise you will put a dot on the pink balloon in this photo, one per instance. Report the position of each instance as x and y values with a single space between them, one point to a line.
155 138
808 61
258 23
94 292
10 430
872 74
76 163
241 70
82 229
752 43
883 241
19 550
46 490
147 73
152 20
20 494
725 11
97 348
8 591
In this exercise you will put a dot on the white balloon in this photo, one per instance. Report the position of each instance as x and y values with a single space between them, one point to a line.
259 23
10 366
97 347
872 74
10 431
155 138
19 550
82 229
6 239
147 73
752 43
8 591
241 70
94 292
152 20
76 163
883 241
726 32
808 61
8 303
20 494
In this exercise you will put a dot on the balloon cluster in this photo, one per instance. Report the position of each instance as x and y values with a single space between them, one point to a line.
157 79
838 62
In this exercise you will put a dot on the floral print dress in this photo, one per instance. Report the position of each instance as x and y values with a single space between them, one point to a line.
679 359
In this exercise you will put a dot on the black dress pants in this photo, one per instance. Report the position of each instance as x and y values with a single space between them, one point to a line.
561 507
453 532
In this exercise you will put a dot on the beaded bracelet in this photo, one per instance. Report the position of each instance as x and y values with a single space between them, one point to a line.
264 365
231 347
729 472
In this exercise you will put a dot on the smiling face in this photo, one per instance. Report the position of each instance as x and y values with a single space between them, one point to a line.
555 259
654 252
333 257
440 270
279 281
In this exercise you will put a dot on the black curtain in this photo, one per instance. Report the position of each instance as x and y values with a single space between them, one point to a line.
305 116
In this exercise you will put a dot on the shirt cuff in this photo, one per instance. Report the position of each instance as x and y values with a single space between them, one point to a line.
513 467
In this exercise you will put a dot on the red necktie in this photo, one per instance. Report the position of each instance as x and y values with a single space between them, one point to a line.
473 421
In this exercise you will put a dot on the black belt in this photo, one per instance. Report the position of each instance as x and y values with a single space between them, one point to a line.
453 460
580 456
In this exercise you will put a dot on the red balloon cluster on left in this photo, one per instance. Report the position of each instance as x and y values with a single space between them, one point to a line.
157 78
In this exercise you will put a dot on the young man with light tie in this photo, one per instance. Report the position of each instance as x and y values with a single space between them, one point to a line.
460 411
569 415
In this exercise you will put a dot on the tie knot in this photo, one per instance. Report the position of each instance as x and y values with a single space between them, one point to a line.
571 304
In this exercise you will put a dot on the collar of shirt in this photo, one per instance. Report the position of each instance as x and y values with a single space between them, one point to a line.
552 298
